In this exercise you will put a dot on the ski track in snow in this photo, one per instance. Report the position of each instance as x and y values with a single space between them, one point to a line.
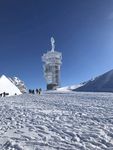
57 121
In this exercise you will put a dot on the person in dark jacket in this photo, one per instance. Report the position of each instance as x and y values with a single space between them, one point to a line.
40 90
37 91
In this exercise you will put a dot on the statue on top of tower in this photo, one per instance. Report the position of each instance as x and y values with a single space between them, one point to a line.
53 44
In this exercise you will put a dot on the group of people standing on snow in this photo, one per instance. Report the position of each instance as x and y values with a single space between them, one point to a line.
37 91
3 94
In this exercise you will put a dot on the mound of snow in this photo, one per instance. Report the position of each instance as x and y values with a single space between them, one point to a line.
70 88
102 83
8 87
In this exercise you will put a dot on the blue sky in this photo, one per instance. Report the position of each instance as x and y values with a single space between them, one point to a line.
83 31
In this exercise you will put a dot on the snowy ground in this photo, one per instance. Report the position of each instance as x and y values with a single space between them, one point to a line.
57 121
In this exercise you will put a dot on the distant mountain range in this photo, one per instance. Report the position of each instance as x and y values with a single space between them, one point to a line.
102 83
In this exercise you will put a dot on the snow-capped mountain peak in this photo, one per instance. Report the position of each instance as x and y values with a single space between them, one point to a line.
8 87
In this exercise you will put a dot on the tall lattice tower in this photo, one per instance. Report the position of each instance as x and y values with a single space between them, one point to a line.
52 63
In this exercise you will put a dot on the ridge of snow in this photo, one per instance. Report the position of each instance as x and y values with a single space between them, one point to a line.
101 83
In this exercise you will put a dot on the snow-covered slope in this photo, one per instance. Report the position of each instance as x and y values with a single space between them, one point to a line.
102 83
19 83
70 88
66 121
7 86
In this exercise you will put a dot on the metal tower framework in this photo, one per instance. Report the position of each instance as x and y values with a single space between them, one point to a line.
52 63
